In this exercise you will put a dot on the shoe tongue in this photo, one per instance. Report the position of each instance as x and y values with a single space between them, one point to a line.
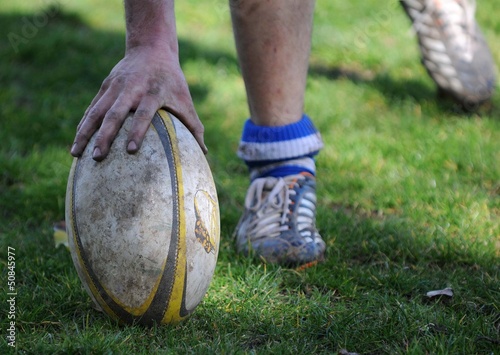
272 189
270 184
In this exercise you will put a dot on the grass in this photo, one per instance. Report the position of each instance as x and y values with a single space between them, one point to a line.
408 190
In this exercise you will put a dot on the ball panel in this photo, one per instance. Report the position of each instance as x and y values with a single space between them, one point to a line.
85 273
201 206
127 251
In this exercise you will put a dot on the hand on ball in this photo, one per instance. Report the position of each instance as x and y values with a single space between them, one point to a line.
146 79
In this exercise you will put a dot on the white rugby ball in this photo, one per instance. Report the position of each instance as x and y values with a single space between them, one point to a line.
144 228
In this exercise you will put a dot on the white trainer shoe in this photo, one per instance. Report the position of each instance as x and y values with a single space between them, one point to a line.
279 223
453 49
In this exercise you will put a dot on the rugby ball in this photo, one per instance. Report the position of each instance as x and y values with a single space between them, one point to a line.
144 228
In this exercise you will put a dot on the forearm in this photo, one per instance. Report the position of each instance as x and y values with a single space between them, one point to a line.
151 23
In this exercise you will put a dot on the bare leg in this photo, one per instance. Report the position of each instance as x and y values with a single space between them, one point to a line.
273 39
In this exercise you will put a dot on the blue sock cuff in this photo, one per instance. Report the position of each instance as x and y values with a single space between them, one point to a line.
261 144
253 133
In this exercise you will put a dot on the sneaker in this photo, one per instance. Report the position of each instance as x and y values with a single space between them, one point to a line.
453 49
279 221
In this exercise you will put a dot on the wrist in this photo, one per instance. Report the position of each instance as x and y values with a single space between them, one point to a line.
165 43
151 23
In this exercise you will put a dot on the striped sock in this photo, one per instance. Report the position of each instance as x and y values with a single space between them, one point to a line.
280 151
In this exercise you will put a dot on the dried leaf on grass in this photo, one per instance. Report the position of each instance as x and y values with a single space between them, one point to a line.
345 352
60 235
444 292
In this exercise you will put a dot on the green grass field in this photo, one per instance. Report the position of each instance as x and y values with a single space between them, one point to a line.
408 190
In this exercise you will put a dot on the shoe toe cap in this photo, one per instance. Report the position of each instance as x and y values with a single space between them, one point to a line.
289 249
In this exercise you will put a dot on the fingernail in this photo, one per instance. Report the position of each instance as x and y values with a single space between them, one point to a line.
132 147
74 148
97 153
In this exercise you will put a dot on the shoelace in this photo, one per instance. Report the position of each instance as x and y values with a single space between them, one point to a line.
460 27
271 208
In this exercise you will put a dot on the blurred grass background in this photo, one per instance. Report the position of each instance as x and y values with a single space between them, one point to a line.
408 189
